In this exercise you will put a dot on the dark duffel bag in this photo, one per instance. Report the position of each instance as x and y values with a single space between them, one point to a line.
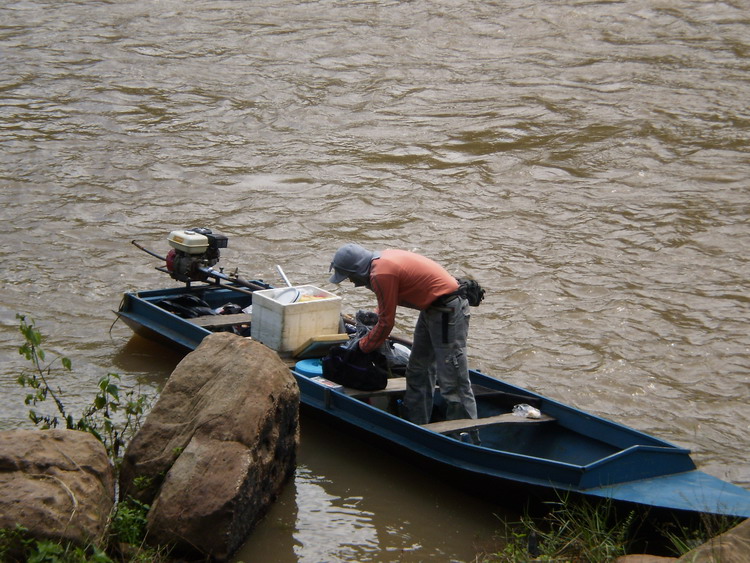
355 369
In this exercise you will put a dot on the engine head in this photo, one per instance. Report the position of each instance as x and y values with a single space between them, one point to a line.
192 250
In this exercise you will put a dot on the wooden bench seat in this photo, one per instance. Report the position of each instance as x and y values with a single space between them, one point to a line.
207 321
398 385
395 385
463 424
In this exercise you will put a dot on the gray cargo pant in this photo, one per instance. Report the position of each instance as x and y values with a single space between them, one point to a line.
438 354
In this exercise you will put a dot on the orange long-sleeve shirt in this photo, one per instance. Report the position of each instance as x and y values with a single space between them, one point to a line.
403 278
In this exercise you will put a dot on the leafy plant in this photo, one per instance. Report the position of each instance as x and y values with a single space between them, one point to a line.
128 532
113 419
98 418
38 380
17 546
129 522
14 543
143 482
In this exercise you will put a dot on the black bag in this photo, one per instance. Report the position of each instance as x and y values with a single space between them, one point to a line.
471 290
355 369
187 306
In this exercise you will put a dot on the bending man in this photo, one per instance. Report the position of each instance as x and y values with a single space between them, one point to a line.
438 354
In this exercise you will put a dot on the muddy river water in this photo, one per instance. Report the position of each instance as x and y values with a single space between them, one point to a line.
587 161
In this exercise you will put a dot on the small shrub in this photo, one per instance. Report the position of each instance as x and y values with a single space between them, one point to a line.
14 543
111 418
129 522
98 418
16 546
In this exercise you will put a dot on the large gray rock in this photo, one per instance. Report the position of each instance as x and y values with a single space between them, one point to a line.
644 558
730 547
217 447
59 484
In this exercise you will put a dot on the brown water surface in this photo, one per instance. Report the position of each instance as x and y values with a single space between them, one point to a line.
587 161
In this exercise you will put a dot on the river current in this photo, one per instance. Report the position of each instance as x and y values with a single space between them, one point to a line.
586 161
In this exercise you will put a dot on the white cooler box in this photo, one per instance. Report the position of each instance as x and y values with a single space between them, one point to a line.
287 317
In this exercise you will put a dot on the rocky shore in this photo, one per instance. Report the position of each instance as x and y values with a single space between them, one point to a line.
212 456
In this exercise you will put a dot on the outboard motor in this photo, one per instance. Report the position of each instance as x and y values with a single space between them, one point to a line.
192 251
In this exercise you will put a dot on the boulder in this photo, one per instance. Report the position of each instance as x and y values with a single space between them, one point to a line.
58 484
730 547
217 447
638 558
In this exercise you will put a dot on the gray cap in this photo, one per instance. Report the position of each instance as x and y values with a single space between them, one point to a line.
351 260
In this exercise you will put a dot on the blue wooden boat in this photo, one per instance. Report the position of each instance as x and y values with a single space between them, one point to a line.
564 452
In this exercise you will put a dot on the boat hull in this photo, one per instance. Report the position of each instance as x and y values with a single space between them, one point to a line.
572 452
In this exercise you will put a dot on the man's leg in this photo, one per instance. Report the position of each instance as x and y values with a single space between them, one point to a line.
449 328
420 379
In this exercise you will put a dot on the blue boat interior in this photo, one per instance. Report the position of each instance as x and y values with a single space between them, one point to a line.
171 315
550 440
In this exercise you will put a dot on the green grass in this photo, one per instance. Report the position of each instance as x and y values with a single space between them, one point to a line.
598 532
